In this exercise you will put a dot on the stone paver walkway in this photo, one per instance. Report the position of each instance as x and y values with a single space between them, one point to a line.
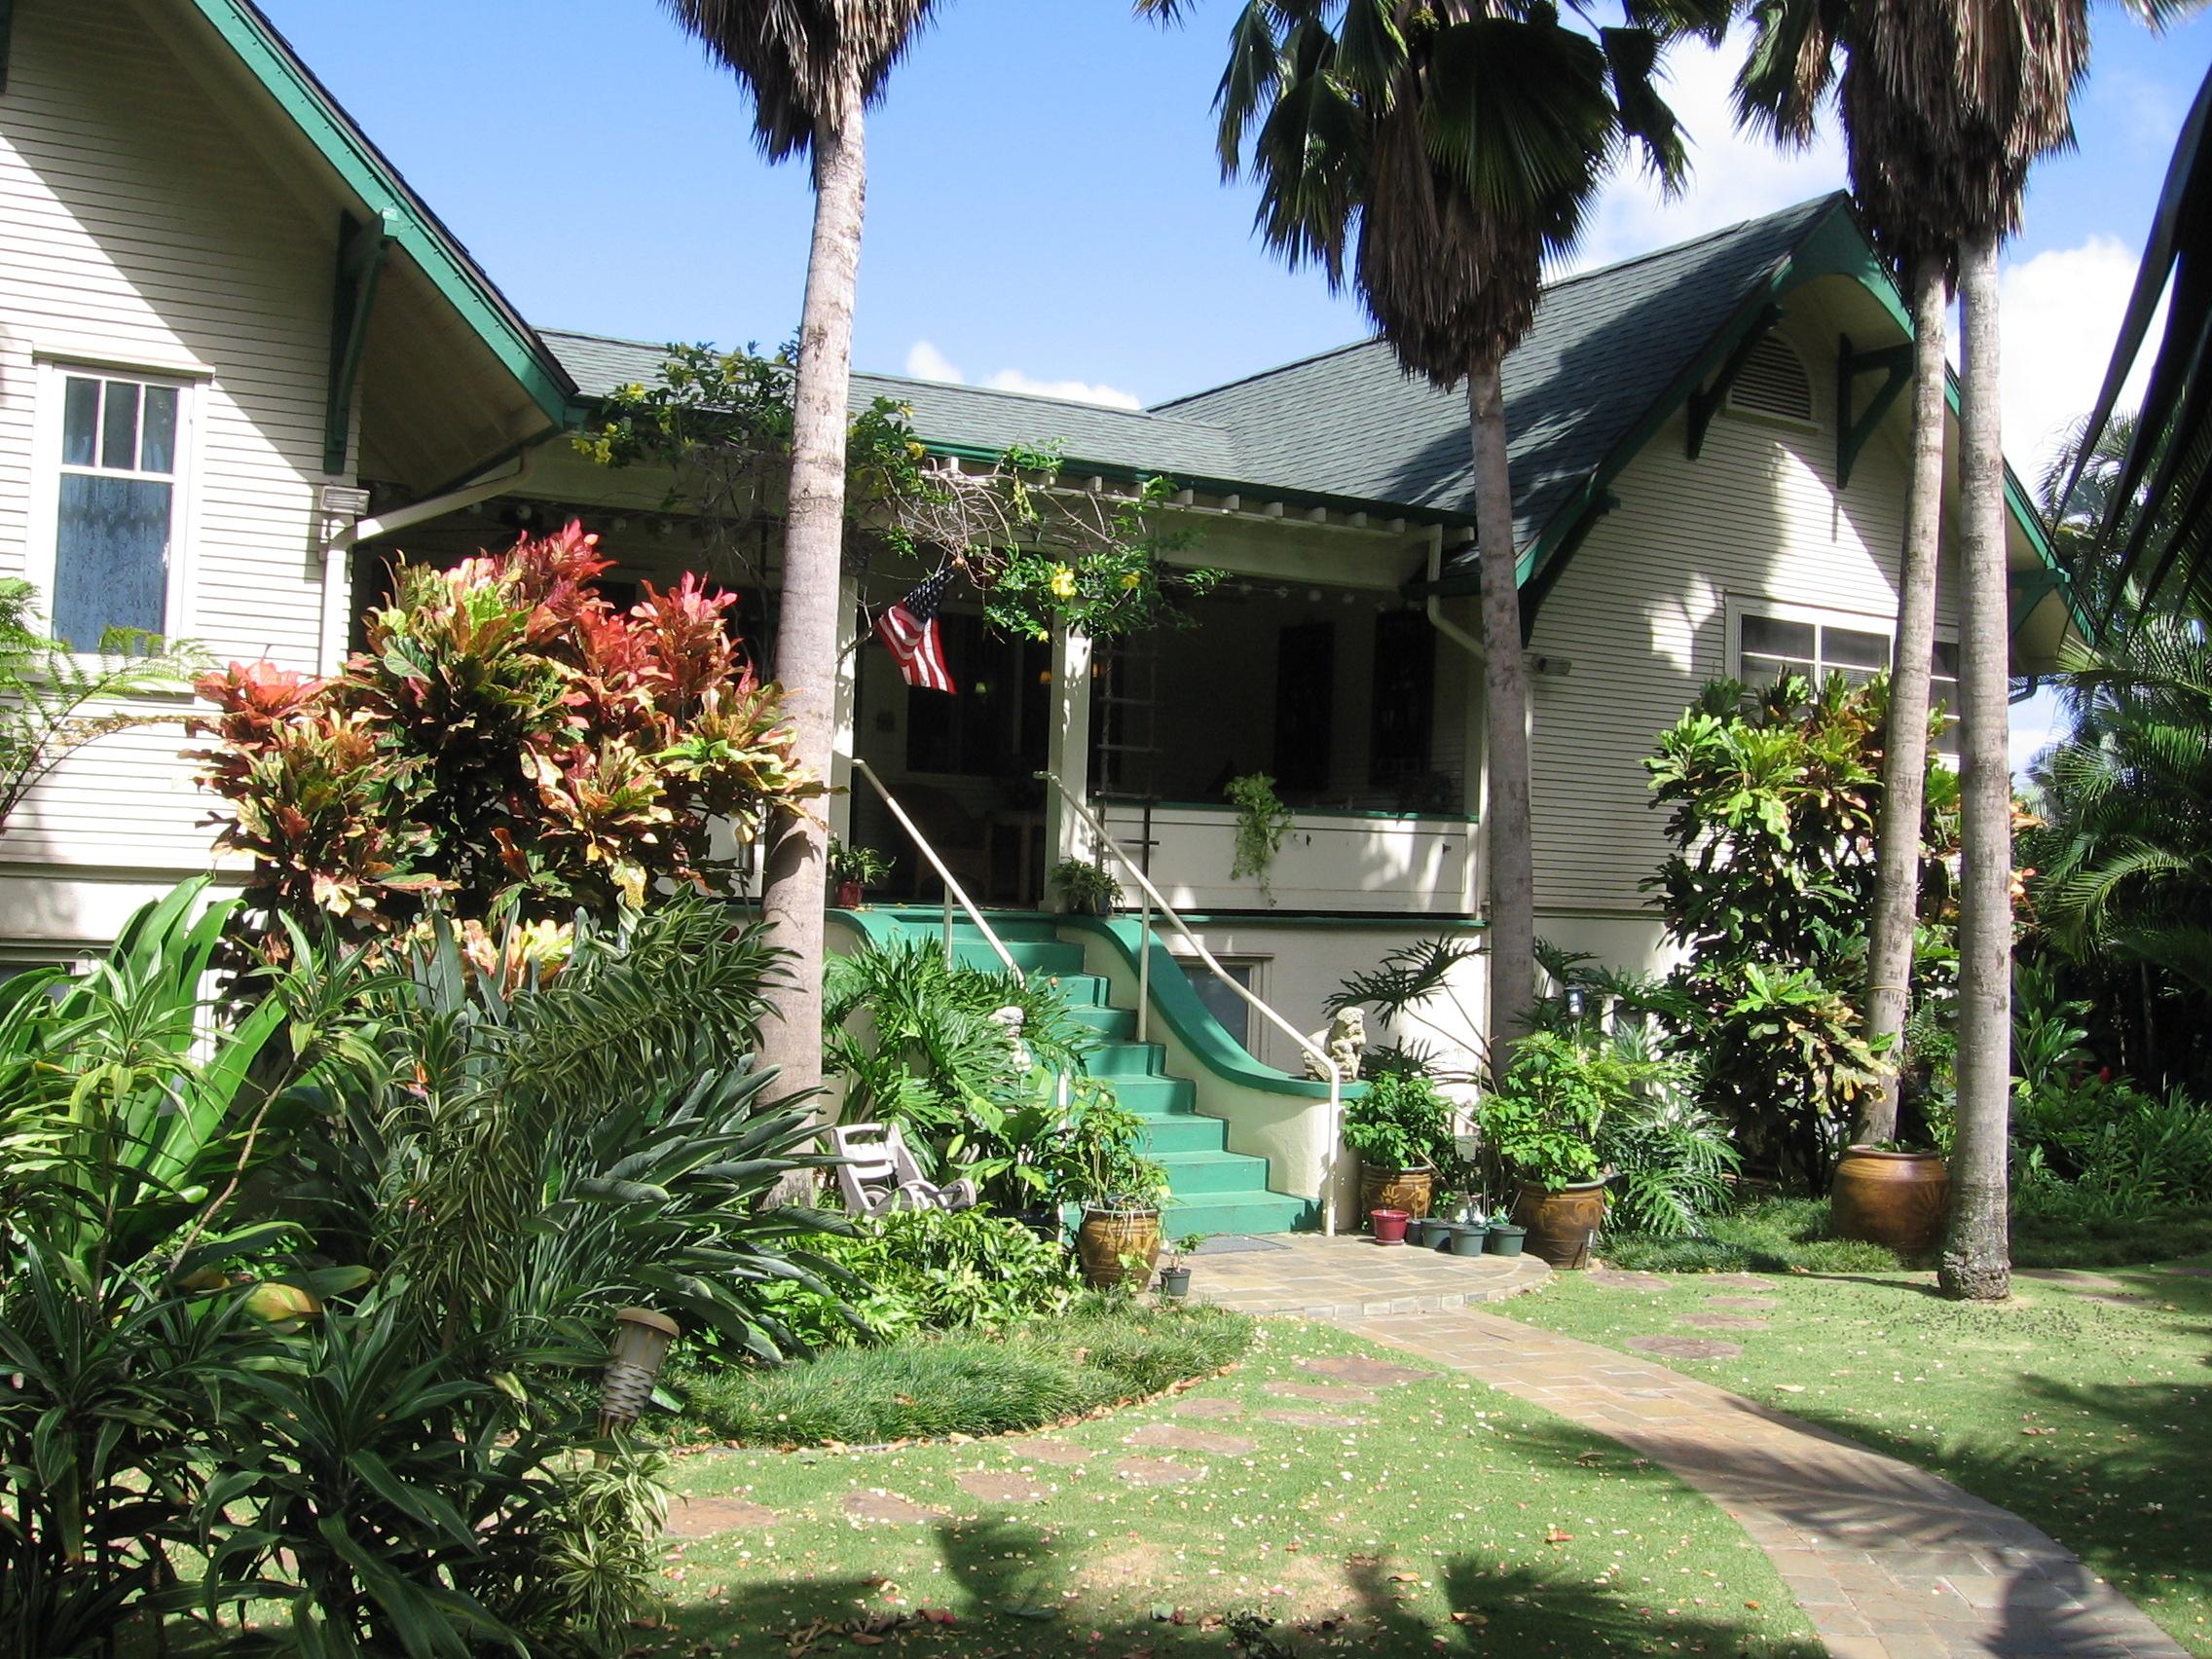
1889 1560
1351 1276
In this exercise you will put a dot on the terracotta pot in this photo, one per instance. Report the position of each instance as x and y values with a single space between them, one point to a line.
1106 1236
850 893
1897 1199
1389 1225
1561 1224
1406 1190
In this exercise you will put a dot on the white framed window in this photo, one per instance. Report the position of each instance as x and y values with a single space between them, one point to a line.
111 499
1766 640
1232 1012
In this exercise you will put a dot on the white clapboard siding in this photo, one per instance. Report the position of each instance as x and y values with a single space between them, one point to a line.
138 224
1640 616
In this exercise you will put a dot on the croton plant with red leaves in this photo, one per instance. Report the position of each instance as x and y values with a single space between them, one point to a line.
509 744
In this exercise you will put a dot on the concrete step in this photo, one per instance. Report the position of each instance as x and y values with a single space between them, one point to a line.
1165 1136
1111 1023
1128 1059
1215 1173
1241 1212
1148 1095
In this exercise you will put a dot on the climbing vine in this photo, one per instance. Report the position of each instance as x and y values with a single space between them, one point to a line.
1262 823
1039 554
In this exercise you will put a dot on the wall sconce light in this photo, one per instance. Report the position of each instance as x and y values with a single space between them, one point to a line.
634 1359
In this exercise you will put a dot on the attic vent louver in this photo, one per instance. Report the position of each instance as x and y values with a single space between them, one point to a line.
1773 382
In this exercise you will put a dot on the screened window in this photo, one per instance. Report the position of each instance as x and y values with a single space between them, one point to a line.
115 505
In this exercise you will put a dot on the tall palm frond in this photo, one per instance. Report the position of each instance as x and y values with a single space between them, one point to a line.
798 57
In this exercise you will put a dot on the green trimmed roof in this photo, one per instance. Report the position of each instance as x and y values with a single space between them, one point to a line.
1605 345
1349 426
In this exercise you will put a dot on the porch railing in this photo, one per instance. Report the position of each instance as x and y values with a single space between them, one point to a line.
955 893
1154 898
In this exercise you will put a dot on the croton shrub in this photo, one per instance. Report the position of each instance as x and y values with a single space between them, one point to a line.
510 746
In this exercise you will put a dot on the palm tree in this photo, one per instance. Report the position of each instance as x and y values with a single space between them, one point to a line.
1433 153
1789 74
812 68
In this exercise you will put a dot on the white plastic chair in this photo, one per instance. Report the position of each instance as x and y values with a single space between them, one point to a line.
878 1174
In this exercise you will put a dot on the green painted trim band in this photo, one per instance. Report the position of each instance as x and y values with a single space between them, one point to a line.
1222 807
369 176
1364 920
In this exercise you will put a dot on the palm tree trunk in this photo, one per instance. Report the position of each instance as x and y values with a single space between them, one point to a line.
1977 1263
1897 880
1512 875
806 631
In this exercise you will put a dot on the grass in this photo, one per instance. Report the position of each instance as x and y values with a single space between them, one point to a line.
1790 1236
2083 1415
1449 1519
929 1387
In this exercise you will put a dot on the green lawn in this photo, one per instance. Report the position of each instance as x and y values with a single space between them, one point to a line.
2087 1417
1437 1515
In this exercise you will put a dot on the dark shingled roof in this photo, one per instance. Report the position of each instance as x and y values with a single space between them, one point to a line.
1605 345
1349 425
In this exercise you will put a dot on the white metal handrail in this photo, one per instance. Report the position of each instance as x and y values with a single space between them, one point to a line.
955 893
1153 896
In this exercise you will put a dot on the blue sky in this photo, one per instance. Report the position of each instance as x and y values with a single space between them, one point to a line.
1044 208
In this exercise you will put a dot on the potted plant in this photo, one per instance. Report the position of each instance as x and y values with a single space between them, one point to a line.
1084 888
1120 1191
1886 1193
1175 1277
1542 1120
1388 1224
1469 1238
1504 1238
1397 1127
1262 823
852 870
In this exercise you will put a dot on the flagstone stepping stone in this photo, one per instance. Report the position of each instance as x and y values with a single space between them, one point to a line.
1000 1486
885 1506
1052 1451
1724 1322
1312 1420
704 1517
1207 1406
2193 1272
1358 1369
1329 1394
1176 1438
2071 1278
2119 1298
1158 1471
1736 1281
1685 1348
1744 1303
1641 1283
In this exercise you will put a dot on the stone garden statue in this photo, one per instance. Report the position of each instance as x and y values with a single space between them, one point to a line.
1343 1042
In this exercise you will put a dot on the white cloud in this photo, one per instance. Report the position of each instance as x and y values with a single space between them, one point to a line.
1733 176
923 361
2060 312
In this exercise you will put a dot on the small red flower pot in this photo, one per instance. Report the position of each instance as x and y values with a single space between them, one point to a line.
849 895
1389 1225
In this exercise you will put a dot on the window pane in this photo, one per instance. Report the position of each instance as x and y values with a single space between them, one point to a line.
1770 637
111 558
1945 662
1223 1003
157 444
79 421
1846 648
1760 671
119 426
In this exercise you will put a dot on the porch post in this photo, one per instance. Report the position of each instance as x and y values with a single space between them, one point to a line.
1067 750
844 715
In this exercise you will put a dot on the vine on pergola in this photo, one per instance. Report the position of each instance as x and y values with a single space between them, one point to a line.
1039 554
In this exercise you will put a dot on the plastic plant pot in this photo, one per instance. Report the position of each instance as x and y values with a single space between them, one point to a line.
1389 1225
1506 1240
1469 1238
1442 1232
1175 1283
1421 1231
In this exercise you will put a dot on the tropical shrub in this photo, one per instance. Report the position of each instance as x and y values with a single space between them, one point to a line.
930 1270
509 741
1775 799
1544 1117
1399 1121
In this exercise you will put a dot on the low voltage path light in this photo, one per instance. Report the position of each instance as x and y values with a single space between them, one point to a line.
642 1339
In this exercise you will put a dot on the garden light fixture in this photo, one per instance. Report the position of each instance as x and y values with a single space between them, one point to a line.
642 1339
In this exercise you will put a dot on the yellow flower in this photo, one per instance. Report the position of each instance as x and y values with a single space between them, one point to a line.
1062 583
1130 581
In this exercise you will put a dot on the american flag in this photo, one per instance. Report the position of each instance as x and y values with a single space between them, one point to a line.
910 631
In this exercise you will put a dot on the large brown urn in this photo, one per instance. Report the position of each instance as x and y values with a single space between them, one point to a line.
1897 1199
1561 1224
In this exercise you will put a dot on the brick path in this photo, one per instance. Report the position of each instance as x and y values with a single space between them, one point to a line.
1350 1278
1888 1560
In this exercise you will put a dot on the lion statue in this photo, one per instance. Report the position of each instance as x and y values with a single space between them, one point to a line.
1343 1042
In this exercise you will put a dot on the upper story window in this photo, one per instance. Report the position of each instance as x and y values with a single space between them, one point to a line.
1773 382
113 497
1818 643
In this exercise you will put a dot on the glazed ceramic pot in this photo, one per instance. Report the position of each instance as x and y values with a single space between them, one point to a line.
1897 1199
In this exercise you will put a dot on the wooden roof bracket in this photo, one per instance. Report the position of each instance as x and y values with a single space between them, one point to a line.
1894 363
1706 402
362 249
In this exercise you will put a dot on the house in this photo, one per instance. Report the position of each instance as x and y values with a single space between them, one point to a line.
241 364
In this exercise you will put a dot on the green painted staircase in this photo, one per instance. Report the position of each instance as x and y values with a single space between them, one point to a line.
1210 1189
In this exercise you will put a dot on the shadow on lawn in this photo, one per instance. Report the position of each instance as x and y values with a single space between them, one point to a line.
1010 1578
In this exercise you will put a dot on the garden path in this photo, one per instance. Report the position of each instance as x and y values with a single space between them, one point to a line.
1888 1560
